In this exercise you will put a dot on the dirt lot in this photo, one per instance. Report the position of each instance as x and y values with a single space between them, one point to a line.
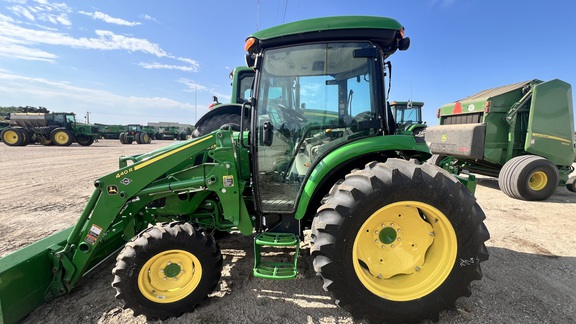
530 277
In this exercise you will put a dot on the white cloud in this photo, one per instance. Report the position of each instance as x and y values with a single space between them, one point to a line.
11 34
43 92
54 13
157 65
22 12
148 17
106 18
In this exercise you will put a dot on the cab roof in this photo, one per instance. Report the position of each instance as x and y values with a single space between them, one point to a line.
380 30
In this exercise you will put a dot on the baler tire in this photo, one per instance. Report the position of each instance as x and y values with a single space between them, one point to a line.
571 184
529 177
61 137
436 159
189 256
416 203
11 137
217 122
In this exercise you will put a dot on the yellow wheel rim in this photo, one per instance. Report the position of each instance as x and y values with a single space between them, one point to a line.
538 180
404 251
10 137
61 137
170 276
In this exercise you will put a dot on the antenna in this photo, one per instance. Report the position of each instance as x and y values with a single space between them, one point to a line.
258 18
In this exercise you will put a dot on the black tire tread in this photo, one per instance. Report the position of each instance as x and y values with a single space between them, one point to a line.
155 238
334 218
514 175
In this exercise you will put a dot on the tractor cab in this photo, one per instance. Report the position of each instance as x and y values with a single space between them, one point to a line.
408 117
312 95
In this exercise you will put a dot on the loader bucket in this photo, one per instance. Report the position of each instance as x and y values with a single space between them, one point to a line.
24 277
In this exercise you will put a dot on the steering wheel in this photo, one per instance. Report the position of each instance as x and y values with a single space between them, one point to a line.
291 115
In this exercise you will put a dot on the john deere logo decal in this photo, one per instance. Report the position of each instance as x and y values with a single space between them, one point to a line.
444 138
112 190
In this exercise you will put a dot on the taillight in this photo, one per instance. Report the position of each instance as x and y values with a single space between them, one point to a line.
487 107
438 113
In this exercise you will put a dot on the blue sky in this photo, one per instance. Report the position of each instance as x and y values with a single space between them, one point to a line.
139 61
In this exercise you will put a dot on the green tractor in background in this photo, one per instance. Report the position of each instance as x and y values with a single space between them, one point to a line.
135 133
51 128
408 117
387 241
228 114
522 133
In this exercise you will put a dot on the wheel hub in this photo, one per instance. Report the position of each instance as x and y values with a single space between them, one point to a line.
169 276
538 180
404 250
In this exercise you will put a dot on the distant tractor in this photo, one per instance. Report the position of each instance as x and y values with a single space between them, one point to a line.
135 133
522 133
47 129
408 117
170 133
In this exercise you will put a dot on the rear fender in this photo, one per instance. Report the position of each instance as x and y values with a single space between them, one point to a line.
324 168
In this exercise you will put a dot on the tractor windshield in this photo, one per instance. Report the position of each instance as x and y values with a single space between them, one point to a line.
311 99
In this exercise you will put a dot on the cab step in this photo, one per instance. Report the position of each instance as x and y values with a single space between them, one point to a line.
280 243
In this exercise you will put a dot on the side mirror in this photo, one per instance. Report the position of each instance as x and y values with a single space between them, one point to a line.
267 133
403 44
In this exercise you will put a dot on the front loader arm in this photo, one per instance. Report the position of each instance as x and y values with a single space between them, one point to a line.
119 208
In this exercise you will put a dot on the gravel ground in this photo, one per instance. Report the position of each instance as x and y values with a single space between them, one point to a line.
529 277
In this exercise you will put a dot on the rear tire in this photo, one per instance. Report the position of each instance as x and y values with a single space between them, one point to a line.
399 242
12 137
529 177
217 122
61 137
167 270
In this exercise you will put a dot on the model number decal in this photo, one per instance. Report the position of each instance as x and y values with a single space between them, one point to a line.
228 181
124 172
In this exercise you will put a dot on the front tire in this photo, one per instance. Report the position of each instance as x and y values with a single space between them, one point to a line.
167 270
399 242
529 177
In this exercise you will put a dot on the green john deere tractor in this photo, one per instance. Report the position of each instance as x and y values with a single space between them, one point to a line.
393 240
408 117
228 114
135 133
